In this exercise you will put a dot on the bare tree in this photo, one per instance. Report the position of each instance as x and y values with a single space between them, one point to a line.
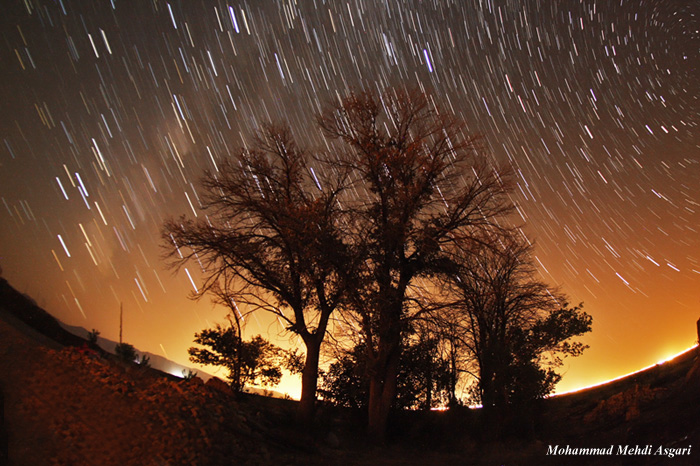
271 222
512 325
420 185
221 292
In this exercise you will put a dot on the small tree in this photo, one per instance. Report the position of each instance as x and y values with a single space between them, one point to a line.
188 374
425 373
539 350
92 338
248 362
144 360
423 380
126 352
345 382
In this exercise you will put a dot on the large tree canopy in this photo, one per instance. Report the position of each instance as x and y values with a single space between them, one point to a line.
269 241
420 186
400 208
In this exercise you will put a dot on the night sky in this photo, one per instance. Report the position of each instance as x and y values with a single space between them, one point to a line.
111 110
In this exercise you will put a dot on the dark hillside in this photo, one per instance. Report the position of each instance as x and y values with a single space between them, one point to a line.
66 406
658 407
25 309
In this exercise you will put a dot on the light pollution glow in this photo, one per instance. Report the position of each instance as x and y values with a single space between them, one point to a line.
111 111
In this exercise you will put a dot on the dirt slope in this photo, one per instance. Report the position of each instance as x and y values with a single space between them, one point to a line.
67 406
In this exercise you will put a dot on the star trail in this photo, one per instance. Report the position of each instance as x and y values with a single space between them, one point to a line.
112 110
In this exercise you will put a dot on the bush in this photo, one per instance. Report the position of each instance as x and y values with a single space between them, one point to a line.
92 338
145 361
126 352
188 374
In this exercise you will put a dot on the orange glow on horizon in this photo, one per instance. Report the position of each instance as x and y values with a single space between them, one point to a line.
290 385
101 144
599 384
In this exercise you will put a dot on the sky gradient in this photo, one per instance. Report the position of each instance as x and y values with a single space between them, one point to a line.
113 109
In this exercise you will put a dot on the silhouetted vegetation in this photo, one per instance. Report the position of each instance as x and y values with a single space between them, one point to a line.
256 361
126 352
423 381
144 360
188 374
400 232
92 338
423 186
514 329
269 241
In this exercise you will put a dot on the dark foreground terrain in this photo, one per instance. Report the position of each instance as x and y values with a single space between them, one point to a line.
64 405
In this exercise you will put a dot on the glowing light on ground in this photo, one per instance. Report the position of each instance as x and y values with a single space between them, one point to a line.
661 361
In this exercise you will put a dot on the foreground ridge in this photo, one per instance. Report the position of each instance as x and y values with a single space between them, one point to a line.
71 406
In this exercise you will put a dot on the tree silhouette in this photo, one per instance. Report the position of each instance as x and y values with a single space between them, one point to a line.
126 352
402 202
426 367
423 380
249 362
220 290
92 338
271 240
420 186
514 327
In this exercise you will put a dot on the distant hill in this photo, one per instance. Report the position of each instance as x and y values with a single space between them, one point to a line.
155 360
25 309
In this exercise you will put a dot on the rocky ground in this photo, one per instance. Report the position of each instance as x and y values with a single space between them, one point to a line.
67 406
64 405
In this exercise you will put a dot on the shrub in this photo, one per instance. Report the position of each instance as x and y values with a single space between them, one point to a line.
92 338
126 352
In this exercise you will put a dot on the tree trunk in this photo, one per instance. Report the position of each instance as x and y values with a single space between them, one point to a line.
453 376
382 391
374 427
429 388
309 382
237 363
488 396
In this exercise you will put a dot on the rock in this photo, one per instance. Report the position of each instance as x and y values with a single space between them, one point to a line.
197 381
219 385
